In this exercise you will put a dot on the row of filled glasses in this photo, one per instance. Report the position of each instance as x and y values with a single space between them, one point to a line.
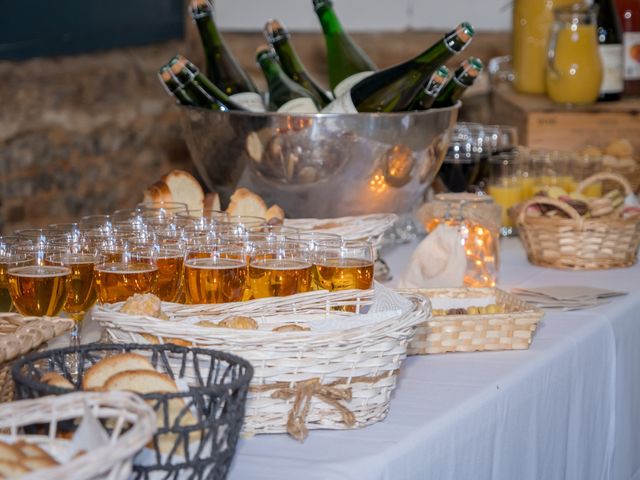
181 256
518 175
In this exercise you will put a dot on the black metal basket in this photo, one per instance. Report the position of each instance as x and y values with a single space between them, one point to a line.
200 449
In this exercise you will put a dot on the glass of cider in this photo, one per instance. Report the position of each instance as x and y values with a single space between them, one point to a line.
346 265
39 290
278 269
218 276
120 277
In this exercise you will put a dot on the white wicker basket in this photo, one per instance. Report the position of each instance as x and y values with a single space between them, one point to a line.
363 227
338 375
109 462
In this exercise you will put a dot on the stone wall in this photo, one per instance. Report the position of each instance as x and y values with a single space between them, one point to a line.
85 134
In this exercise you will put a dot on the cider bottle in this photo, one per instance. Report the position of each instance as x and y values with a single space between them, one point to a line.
348 64
199 87
629 14
222 67
285 95
462 79
394 89
278 36
610 48
428 95
173 86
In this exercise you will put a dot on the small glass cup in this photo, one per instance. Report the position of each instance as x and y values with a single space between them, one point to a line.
278 269
38 290
504 187
344 266
219 277
117 279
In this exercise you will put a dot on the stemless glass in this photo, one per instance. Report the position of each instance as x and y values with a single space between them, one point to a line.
219 277
170 264
117 279
278 269
8 260
504 188
38 290
344 266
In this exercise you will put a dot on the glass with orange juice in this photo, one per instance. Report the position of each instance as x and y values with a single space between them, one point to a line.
505 187
574 70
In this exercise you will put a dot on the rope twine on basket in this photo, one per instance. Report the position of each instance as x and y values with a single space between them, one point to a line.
302 392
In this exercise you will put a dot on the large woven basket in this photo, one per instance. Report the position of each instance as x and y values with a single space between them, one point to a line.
20 335
338 375
135 423
512 330
576 242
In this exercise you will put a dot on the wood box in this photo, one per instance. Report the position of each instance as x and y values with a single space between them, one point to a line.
544 124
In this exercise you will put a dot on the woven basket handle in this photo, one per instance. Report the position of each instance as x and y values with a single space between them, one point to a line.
599 177
564 206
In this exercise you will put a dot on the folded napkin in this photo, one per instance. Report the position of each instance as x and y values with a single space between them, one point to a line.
566 297
438 261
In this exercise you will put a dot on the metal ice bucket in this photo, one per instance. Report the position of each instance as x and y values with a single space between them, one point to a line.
321 165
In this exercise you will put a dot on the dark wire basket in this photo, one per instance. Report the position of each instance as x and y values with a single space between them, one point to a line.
218 383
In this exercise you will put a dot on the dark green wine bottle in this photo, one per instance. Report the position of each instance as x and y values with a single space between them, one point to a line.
285 95
174 87
278 36
347 62
429 93
199 87
222 67
394 89
462 79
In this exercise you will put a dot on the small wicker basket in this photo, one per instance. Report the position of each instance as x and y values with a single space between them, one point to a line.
20 335
339 374
134 423
363 227
512 330
576 242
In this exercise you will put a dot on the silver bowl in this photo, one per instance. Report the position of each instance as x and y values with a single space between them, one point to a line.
321 165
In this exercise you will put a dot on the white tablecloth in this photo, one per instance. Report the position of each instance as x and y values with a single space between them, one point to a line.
569 407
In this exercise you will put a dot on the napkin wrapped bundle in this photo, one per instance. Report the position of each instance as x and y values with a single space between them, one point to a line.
439 260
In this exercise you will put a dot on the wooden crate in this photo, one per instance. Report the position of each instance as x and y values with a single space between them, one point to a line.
544 124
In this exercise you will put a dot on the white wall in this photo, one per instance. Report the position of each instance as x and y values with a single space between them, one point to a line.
367 15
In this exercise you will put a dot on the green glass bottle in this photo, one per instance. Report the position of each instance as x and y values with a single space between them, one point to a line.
173 86
222 67
278 36
394 89
285 95
199 87
429 93
347 63
462 79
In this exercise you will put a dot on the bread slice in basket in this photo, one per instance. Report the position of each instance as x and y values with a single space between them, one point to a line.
98 374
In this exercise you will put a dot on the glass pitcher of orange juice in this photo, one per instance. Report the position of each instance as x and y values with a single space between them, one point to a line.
531 23
574 71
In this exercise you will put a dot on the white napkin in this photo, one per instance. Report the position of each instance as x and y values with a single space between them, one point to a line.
439 261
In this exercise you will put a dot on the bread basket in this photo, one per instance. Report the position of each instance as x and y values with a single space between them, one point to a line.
337 372
576 242
133 419
20 335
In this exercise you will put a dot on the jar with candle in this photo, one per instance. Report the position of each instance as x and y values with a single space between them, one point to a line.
478 219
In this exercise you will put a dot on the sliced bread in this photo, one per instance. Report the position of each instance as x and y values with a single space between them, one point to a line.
98 374
245 202
184 188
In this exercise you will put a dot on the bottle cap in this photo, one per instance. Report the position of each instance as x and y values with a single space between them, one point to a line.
468 71
275 32
200 8
263 51
465 31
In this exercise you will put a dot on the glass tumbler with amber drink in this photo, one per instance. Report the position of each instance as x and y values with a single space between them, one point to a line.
219 275
39 290
122 274
170 264
278 269
345 265
505 187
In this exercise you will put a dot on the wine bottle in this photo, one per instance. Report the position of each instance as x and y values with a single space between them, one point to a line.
462 79
278 36
394 89
200 88
285 95
222 67
429 93
348 64
610 47
173 86
629 15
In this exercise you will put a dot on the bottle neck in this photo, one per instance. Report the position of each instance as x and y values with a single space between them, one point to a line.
288 56
328 20
450 45
208 30
272 70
